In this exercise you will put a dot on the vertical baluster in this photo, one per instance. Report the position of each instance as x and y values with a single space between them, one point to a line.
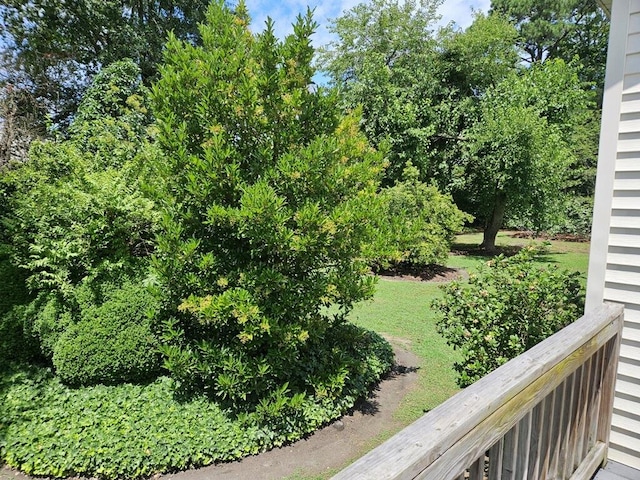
611 352
574 422
476 472
524 446
580 414
551 430
597 398
510 453
495 460
586 406
537 439
563 420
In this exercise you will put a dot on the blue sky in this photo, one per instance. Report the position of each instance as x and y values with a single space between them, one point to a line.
283 13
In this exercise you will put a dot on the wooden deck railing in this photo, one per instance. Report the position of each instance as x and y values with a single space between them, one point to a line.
544 415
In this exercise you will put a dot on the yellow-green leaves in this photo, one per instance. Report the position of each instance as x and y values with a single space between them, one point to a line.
272 196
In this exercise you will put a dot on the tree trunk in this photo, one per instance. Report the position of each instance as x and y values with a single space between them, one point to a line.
494 223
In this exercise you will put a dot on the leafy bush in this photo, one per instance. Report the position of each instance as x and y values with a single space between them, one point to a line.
266 204
133 431
506 308
78 219
417 223
48 316
112 342
575 219
578 217
72 222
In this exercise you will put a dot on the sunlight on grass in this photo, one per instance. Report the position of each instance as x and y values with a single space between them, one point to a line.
573 256
509 239
402 310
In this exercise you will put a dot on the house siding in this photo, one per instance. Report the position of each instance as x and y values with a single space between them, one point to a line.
614 265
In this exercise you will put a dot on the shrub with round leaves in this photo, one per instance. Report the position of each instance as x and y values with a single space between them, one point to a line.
507 307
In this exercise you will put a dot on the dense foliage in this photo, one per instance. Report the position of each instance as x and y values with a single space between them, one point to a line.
416 224
78 228
254 197
133 431
51 49
266 205
112 341
221 225
572 30
507 307
518 156
437 98
384 60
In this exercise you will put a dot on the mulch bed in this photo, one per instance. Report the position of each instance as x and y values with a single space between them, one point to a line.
563 237
420 273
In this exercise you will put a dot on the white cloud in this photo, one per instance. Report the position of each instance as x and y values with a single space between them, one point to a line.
460 12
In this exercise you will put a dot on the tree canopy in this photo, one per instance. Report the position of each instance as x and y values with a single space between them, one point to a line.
573 30
52 48
518 154
434 98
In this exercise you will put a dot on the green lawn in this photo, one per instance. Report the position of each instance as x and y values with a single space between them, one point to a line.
573 256
402 310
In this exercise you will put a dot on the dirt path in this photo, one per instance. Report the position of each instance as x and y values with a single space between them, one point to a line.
327 450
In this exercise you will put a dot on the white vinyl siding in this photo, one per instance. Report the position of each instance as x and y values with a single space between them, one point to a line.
614 268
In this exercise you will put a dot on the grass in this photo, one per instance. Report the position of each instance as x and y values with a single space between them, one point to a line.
573 256
402 310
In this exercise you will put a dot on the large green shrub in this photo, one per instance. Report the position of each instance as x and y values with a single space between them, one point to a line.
266 206
416 224
509 306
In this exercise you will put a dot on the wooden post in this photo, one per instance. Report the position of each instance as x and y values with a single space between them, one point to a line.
610 368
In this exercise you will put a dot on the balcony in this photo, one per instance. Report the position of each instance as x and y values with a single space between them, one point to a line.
544 415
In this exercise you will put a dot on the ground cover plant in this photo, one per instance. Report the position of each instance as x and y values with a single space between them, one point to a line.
130 431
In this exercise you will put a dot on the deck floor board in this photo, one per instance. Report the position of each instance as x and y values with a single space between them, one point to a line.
617 471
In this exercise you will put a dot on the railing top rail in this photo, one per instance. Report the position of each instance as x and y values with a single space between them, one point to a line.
416 447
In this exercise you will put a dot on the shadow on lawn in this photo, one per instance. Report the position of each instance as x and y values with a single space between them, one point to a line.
426 273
